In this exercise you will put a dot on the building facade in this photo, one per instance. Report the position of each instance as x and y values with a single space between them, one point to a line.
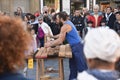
106 3
51 4
77 4
64 5
9 6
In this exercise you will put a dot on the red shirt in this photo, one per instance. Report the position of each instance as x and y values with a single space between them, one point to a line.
92 18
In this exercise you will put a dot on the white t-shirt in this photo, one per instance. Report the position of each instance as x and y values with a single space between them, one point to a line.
46 29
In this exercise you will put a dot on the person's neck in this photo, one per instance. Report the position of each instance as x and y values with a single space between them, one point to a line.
64 21
105 67
109 13
95 13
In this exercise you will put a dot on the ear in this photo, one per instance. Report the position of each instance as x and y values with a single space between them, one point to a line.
89 60
90 63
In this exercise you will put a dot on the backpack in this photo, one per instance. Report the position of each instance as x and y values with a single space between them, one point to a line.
41 33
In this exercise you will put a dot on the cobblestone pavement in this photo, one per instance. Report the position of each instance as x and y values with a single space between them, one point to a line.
31 73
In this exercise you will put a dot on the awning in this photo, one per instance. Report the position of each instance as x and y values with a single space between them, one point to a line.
77 0
104 1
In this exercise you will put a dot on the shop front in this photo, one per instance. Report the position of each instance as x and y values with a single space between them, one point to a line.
10 6
52 4
117 3
104 4
77 4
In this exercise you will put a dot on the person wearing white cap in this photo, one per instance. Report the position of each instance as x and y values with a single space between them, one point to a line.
102 50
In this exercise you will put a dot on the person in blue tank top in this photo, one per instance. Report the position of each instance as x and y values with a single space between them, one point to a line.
68 32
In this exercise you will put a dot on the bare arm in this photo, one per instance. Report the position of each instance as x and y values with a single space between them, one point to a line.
55 37
65 28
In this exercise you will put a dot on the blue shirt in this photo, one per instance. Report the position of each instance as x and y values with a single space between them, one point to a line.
72 37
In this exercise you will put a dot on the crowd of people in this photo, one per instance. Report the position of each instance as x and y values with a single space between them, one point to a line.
93 38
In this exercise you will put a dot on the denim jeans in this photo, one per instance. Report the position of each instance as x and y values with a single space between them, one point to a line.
78 62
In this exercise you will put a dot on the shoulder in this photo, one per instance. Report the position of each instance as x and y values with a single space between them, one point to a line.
82 76
90 16
66 26
45 24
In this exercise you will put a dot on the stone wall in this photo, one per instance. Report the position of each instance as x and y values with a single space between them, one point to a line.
9 6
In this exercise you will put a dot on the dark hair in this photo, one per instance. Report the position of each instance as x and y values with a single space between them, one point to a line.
52 10
54 17
63 15
16 14
89 22
117 12
103 21
110 8
28 15
117 65
98 62
32 17
77 9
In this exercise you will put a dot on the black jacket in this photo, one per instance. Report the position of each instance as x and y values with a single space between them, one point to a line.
117 27
55 28
78 21
111 20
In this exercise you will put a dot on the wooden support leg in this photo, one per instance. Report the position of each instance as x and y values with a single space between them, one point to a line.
37 69
42 67
61 69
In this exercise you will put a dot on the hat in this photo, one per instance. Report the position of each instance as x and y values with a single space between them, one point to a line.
102 43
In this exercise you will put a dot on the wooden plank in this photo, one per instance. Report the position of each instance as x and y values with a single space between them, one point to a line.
41 53
62 51
68 52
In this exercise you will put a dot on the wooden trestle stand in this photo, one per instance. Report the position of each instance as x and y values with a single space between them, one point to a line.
63 51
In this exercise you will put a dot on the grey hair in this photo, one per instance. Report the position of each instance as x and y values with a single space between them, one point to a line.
96 6
40 17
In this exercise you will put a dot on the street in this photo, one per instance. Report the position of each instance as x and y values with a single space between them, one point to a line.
31 73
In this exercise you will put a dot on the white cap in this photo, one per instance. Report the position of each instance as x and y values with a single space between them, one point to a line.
102 43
